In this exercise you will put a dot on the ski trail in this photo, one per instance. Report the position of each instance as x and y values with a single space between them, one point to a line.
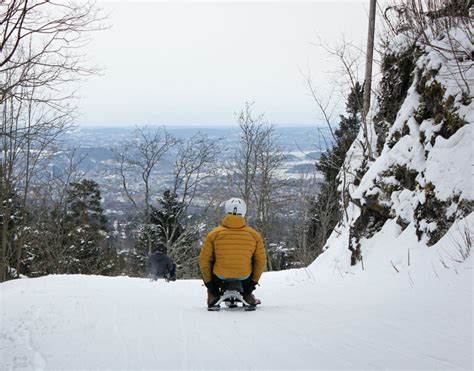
184 341
119 336
449 365
39 360
31 354
227 351
153 342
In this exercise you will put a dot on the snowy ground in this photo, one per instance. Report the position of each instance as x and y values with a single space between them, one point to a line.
307 321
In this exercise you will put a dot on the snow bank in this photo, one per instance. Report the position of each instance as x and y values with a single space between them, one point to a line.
449 165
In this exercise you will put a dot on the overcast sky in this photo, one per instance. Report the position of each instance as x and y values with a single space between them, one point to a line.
196 63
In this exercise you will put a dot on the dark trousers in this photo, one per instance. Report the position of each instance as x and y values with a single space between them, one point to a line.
217 285
171 276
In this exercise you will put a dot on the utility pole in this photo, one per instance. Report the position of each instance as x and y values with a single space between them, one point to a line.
369 58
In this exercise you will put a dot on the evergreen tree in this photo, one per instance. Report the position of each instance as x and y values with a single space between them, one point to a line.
168 232
325 208
331 161
44 251
86 231
12 224
165 227
169 218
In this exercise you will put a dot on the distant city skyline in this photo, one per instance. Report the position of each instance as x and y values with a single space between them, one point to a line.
195 64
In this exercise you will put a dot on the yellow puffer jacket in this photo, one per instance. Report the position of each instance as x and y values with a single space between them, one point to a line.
233 250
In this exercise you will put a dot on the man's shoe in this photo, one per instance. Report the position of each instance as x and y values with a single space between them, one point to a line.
212 299
250 299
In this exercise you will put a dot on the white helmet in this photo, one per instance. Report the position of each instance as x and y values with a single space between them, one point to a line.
235 206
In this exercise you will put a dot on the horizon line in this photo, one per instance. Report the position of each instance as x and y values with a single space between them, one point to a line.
194 126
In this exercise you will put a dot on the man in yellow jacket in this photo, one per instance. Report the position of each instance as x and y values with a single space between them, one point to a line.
232 251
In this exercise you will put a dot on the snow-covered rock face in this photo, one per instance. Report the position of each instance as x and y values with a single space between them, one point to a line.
421 135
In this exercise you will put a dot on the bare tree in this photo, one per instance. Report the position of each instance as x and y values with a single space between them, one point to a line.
254 167
40 43
349 58
245 161
194 165
177 220
139 157
43 40
265 189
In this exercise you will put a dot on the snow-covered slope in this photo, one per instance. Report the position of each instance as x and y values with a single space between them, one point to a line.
309 319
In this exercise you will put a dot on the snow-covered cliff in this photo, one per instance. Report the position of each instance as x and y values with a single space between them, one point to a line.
414 196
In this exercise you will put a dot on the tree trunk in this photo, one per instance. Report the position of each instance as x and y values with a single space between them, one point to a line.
369 58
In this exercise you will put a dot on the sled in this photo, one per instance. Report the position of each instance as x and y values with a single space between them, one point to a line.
232 296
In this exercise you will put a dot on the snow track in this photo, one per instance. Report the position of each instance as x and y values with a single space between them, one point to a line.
84 322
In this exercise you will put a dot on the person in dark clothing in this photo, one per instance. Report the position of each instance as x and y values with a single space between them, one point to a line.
161 266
